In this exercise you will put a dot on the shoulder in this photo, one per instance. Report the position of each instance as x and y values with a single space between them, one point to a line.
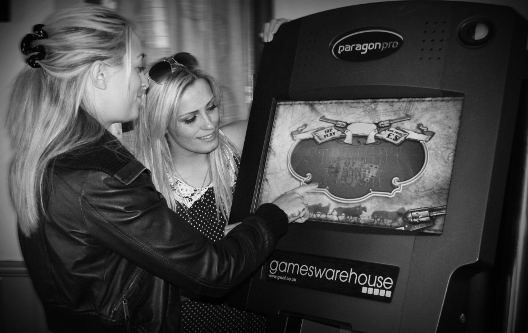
236 133
107 155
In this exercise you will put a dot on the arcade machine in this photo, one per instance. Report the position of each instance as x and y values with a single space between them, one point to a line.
404 113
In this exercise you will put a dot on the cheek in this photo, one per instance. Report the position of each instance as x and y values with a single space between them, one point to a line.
182 132
215 118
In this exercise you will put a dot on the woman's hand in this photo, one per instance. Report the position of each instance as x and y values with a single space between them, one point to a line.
271 28
293 204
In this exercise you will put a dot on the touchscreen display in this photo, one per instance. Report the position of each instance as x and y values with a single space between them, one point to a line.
382 163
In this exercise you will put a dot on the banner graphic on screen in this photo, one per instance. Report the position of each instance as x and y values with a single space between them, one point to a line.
346 277
383 163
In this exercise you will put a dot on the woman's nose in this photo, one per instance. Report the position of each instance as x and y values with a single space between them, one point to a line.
144 79
208 123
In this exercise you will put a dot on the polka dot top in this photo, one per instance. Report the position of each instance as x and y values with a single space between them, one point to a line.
202 214
202 316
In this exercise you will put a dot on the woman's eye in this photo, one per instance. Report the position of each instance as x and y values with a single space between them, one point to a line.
141 69
212 107
189 120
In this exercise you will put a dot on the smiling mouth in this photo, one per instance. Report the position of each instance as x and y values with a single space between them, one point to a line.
207 137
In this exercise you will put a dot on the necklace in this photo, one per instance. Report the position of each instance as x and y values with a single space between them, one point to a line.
205 178
186 194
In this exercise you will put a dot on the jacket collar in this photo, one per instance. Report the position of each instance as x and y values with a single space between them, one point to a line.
106 154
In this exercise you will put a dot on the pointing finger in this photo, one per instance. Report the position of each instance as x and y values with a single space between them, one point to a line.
305 188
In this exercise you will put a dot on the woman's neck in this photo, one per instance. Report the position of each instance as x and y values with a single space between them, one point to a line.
193 169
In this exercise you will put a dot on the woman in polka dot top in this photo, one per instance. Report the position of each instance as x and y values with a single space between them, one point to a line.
194 164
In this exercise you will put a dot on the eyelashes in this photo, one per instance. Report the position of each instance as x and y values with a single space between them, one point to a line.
193 118
190 120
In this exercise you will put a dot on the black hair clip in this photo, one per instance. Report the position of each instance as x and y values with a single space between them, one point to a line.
39 50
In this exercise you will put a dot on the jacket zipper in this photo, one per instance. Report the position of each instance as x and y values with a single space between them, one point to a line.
124 300
127 314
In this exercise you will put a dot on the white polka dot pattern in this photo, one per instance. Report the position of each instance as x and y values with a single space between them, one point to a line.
203 317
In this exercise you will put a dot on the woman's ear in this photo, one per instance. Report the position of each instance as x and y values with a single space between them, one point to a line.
99 74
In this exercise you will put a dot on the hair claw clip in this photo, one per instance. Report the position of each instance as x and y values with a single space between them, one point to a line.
39 50
37 30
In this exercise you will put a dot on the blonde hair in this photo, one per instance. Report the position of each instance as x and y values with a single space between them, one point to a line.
49 114
151 144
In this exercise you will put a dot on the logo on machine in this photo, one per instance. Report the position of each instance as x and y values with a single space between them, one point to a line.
366 44
347 277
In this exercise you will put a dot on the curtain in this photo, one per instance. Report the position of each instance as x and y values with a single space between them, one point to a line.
219 33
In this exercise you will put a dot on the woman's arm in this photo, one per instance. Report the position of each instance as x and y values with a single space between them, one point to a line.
134 221
236 133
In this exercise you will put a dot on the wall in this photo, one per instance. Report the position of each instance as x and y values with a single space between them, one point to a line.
24 15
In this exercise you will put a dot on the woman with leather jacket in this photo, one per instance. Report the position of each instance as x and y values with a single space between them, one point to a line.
104 251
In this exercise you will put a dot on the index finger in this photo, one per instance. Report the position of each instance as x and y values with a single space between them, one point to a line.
305 188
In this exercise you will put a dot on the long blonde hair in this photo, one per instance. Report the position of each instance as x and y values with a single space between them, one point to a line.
49 114
151 144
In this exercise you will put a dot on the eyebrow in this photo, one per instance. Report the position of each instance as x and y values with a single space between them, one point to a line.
212 100
141 56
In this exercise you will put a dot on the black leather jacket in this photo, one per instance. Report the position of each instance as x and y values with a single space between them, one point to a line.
109 255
